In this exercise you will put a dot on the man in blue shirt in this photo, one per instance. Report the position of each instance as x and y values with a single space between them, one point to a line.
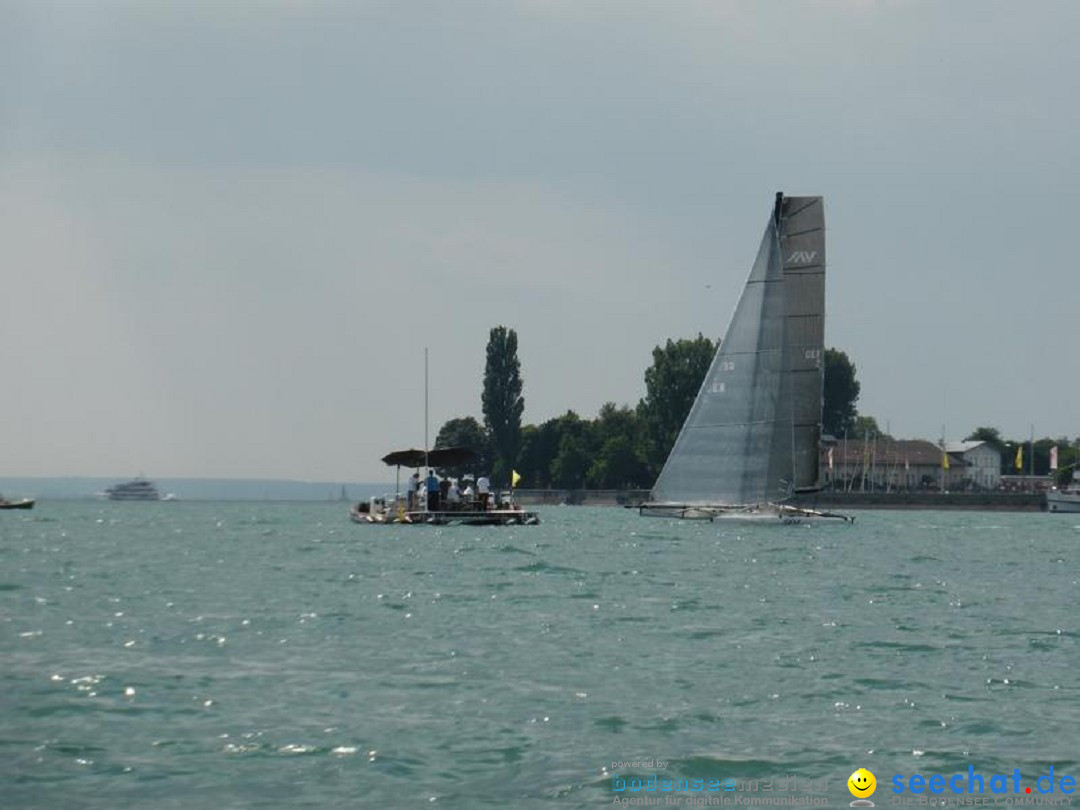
432 491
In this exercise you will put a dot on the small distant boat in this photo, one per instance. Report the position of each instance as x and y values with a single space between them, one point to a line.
750 442
22 503
1065 499
138 489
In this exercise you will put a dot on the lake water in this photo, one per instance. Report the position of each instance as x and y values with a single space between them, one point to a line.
191 655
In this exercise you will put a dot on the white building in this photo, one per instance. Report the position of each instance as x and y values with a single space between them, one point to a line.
982 463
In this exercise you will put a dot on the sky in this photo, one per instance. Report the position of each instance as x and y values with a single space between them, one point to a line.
230 230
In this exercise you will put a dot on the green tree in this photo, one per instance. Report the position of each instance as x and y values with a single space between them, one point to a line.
1068 461
465 431
841 392
559 452
990 435
538 448
866 428
617 466
671 384
502 400
571 463
614 420
619 461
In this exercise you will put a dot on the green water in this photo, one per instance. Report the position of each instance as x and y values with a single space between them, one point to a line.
174 655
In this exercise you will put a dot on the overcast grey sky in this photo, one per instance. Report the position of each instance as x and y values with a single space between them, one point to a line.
228 230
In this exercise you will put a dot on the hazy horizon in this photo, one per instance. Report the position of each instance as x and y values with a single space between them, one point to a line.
231 229
45 488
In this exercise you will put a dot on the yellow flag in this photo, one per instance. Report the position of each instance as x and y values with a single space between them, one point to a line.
944 460
514 478
1020 457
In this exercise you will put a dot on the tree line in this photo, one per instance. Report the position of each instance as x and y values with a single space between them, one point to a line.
625 447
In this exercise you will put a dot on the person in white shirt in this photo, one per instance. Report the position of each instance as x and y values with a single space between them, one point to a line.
483 489
453 495
414 485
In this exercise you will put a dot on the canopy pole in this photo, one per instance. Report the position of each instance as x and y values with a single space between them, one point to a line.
426 464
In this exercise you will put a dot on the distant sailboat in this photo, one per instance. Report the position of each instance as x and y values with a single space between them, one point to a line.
751 439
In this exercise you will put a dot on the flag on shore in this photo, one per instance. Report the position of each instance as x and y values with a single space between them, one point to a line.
1053 458
514 478
1019 457
944 460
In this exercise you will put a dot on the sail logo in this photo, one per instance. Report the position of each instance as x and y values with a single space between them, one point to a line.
802 257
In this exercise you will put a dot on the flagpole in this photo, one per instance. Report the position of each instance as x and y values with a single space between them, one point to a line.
944 458
1031 460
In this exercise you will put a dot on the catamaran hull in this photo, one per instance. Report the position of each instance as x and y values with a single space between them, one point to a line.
772 514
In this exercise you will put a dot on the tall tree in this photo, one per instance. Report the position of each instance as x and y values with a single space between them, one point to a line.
841 393
502 401
671 384
990 435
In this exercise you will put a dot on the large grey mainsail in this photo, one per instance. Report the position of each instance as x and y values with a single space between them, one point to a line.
752 434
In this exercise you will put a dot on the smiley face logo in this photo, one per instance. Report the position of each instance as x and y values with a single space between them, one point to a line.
862 784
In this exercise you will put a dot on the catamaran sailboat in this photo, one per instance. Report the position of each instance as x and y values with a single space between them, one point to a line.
750 442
